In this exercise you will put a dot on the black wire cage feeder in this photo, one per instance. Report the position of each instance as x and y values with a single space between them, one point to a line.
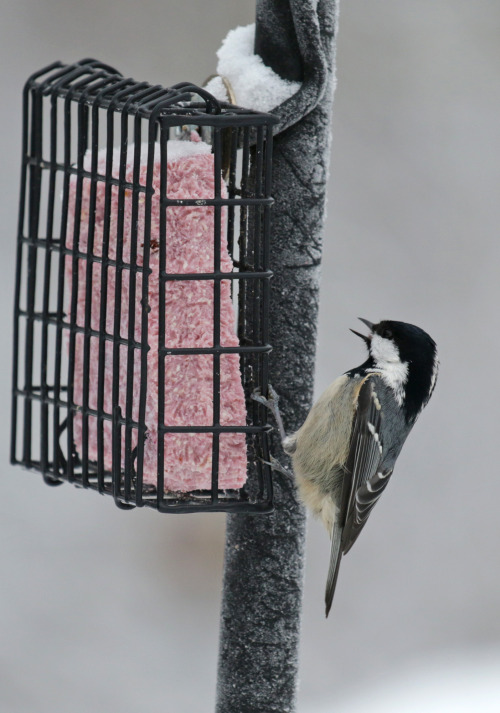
142 292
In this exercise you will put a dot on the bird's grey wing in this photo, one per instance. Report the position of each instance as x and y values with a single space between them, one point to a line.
366 498
364 462
365 455
333 569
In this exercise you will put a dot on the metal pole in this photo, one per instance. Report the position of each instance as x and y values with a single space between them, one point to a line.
276 41
264 555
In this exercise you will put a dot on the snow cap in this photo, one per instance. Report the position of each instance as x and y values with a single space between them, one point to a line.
256 86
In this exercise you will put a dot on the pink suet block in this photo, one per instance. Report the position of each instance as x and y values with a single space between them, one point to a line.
189 306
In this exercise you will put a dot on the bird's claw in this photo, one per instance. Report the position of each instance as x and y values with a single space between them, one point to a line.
271 402
276 465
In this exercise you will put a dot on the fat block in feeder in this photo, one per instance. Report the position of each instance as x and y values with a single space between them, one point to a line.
188 318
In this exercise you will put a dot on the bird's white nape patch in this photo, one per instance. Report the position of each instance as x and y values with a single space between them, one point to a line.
393 371
434 376
435 369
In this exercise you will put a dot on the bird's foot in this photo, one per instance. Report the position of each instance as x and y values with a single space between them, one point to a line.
272 404
276 465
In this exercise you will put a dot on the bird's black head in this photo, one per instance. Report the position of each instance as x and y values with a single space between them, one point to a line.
407 358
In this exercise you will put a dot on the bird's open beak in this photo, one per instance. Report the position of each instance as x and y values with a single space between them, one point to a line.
370 326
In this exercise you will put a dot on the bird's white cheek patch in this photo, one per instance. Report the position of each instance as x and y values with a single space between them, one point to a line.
384 350
393 371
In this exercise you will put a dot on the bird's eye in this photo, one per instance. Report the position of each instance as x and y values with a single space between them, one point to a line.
387 334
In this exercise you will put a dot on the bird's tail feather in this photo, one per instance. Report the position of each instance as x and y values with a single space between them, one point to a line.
333 569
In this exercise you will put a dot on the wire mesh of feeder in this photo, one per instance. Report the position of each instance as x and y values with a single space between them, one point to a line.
106 395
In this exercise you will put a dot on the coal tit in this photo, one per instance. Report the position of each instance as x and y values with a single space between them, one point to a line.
344 453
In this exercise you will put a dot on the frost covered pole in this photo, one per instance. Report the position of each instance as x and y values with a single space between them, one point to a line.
263 574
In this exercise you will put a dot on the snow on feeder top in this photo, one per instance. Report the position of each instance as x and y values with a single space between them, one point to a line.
142 290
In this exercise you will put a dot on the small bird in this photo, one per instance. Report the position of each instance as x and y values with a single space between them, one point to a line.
344 453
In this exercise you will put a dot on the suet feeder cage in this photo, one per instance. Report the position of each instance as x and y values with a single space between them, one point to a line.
142 292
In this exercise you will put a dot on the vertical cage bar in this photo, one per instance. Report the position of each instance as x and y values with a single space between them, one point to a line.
102 415
46 286
146 271
119 238
141 93
89 276
266 297
35 180
131 349
61 464
131 108
257 235
108 188
256 231
81 148
163 208
242 240
247 258
232 188
67 254
217 307
17 289
267 481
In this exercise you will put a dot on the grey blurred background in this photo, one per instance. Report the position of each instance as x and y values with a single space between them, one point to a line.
103 610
